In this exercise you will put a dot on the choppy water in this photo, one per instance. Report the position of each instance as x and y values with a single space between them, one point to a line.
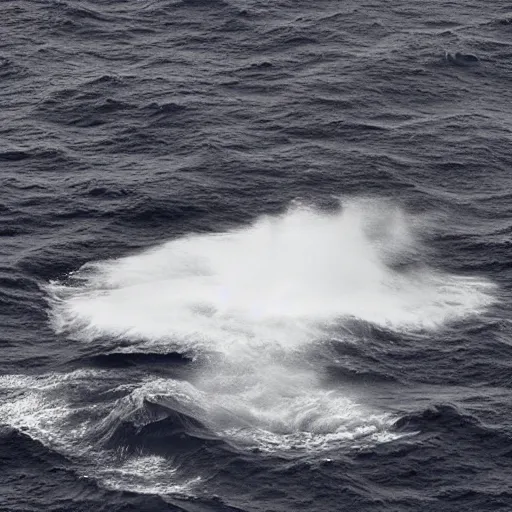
255 255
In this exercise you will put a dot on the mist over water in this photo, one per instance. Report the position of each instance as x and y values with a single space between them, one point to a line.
258 306
280 282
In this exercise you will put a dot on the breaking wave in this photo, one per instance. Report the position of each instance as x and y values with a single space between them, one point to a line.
257 301
257 308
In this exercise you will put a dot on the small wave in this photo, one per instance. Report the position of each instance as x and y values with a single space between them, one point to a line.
153 428
53 409
269 417
447 417
128 359
14 155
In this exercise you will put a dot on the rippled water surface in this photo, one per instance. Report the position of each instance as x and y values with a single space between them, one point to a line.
255 256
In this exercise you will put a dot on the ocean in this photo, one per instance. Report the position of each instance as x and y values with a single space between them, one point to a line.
255 255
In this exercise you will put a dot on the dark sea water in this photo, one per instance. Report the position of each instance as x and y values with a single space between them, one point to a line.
255 255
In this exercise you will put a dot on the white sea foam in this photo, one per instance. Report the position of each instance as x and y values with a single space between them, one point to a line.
280 281
256 304
44 408
146 475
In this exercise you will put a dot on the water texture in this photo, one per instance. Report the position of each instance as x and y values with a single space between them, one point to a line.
255 256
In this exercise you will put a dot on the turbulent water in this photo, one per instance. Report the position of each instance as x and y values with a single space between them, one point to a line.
256 256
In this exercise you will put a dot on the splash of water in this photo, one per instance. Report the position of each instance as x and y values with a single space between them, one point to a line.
256 305
258 300
275 282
